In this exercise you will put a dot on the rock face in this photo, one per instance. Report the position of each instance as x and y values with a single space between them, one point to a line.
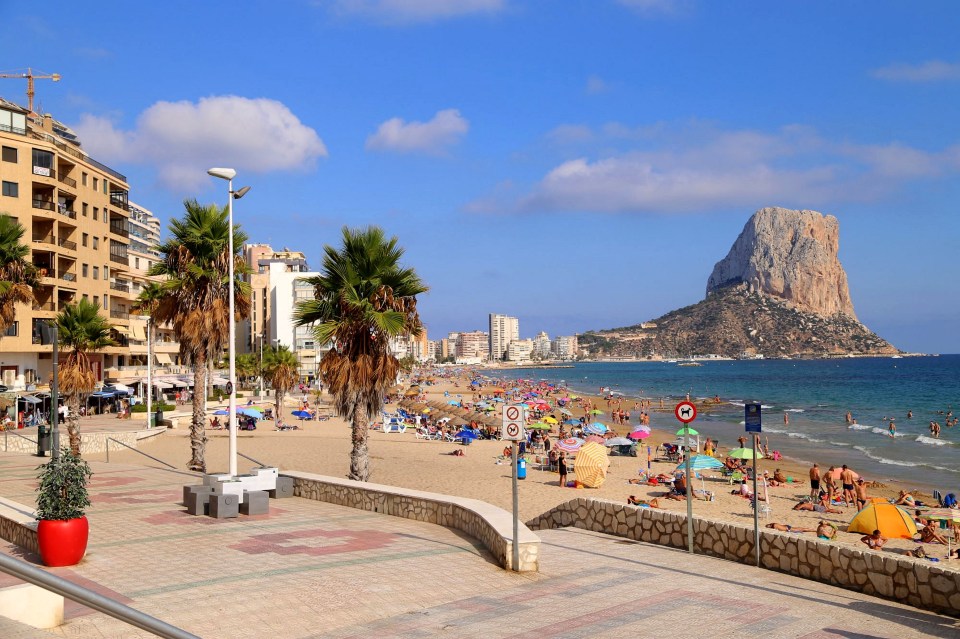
791 255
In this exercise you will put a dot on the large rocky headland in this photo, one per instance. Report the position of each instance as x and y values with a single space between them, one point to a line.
780 292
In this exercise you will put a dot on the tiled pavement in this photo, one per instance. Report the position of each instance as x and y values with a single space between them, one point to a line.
314 570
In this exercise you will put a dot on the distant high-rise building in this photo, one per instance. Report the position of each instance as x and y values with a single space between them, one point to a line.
255 330
473 344
541 345
503 330
520 350
565 347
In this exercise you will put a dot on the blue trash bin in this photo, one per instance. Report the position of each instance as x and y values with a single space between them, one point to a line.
521 468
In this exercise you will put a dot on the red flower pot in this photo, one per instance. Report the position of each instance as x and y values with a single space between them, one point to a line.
62 542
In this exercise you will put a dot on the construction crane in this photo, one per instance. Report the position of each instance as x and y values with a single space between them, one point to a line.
31 76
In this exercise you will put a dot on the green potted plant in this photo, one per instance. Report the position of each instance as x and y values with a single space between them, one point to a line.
61 502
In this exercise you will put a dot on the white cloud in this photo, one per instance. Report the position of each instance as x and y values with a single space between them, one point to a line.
930 71
433 137
596 84
413 11
183 139
696 167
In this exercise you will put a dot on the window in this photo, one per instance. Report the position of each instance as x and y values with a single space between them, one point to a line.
11 189
83 241
96 300
96 184
96 272
96 242
106 272
96 212
106 186
9 154
84 209
83 270
85 296
136 262
83 179
14 328
42 162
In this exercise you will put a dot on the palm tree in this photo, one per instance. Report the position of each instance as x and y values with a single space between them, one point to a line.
363 299
247 366
81 329
18 277
195 300
281 367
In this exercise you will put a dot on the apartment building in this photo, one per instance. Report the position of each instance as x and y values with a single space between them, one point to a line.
564 347
76 212
503 330
473 344
254 332
286 289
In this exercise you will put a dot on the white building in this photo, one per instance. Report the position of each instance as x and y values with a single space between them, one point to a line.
503 330
520 350
541 345
286 289
472 344
564 347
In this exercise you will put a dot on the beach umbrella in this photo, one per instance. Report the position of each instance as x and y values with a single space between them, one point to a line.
550 420
595 428
569 445
618 441
744 453
453 402
302 414
566 411
891 520
412 393
250 411
465 435
490 409
596 412
594 439
639 434
539 426
591 465
571 422
687 431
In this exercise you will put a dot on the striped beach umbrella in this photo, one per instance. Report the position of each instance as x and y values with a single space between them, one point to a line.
640 433
591 465
569 445
702 462
595 429
595 439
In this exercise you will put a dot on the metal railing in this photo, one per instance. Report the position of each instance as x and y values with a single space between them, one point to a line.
119 314
119 229
68 180
67 244
60 586
46 205
44 239
45 306
12 129
120 286
120 259
115 441
255 461
68 277
67 212
120 204
6 446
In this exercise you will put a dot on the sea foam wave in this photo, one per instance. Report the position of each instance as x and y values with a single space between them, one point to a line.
794 410
923 439
885 460
858 427
884 431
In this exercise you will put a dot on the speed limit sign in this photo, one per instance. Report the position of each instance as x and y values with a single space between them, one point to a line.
512 422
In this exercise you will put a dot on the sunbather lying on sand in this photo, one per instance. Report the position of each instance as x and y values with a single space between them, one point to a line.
789 528
653 503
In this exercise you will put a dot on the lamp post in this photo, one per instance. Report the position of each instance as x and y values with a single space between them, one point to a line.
228 175
260 335
149 375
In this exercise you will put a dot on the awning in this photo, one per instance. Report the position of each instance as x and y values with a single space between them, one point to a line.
122 330
218 381
162 385
122 388
138 331
163 358
30 399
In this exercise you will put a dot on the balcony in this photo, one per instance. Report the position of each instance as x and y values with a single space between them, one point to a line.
120 259
44 238
46 205
119 229
123 287
67 244
67 212
44 171
68 181
68 279
47 306
120 315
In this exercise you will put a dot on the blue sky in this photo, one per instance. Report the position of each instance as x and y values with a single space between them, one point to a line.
577 164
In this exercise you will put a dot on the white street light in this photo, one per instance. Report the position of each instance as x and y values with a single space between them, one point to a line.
228 175
149 375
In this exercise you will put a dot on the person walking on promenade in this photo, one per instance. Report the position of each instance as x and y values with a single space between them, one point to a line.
814 482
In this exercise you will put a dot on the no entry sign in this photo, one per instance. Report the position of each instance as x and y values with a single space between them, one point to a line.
512 422
686 412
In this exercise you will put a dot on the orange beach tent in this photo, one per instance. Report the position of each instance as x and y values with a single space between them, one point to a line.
892 521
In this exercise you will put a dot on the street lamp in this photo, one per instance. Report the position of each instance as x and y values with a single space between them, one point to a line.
260 335
149 375
228 175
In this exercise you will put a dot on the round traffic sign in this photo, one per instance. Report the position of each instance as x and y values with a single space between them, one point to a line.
513 430
686 412
513 412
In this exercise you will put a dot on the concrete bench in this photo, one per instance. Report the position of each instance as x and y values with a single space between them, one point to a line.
224 505
255 502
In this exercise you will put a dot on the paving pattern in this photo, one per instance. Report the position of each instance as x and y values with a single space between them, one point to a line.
314 570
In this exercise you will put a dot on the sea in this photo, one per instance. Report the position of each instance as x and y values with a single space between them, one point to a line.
815 395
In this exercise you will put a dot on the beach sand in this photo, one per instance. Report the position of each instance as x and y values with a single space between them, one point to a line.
400 459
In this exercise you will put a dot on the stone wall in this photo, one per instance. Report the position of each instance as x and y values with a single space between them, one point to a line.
492 526
917 582
25 441
18 526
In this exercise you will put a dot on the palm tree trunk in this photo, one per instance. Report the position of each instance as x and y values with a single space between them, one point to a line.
279 393
359 456
198 433
73 423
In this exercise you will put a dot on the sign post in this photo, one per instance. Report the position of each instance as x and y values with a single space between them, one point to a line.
512 431
686 412
751 419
